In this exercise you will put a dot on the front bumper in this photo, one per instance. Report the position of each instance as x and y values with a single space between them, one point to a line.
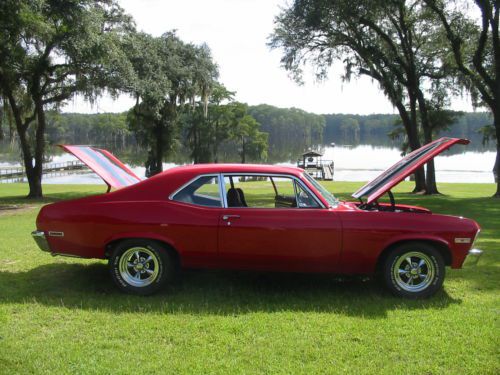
40 240
472 257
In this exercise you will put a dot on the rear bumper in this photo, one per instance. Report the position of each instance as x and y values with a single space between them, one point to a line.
472 257
41 241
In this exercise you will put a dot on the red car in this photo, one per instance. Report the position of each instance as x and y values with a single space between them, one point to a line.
255 217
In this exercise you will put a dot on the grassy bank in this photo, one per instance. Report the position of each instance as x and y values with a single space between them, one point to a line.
60 315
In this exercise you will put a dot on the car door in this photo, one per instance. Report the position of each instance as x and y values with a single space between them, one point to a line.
194 211
270 232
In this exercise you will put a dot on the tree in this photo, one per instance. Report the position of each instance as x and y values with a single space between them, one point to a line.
198 135
150 86
252 143
221 117
169 75
290 130
475 49
350 129
204 133
225 123
49 51
393 42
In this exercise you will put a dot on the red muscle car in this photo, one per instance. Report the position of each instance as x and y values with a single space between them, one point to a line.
255 217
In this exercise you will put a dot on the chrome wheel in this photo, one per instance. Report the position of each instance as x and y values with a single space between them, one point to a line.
139 266
414 271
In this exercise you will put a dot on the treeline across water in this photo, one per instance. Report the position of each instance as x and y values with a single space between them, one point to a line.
375 129
290 130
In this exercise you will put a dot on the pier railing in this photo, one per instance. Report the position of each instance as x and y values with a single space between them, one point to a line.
319 169
17 172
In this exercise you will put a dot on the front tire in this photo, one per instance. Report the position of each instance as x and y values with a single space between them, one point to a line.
414 270
141 267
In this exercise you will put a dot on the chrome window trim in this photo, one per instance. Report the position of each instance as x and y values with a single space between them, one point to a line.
217 175
222 190
295 178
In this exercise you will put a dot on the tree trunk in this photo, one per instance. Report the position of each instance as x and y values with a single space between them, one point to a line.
243 151
216 142
154 163
496 171
430 178
414 142
11 121
35 184
159 150
35 177
496 168
2 121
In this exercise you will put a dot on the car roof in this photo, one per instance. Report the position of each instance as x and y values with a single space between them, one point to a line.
234 168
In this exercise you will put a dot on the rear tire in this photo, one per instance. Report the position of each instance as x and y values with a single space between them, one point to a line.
414 270
140 266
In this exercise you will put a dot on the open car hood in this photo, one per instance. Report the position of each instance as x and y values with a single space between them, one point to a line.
374 189
114 173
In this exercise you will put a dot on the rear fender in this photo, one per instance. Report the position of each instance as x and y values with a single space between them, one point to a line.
131 235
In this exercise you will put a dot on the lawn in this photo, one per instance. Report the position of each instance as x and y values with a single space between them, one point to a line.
62 315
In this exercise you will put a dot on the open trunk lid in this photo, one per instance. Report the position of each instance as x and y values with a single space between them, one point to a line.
384 182
114 173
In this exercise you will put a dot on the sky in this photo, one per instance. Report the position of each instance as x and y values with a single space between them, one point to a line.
237 32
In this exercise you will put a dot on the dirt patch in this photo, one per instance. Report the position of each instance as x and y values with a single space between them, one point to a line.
13 208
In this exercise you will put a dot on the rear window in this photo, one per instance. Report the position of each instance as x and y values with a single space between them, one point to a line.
203 191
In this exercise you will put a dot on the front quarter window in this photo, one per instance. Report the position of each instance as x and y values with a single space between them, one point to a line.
329 197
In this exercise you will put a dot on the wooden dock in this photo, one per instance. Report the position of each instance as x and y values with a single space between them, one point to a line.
11 174
322 171
313 163
327 171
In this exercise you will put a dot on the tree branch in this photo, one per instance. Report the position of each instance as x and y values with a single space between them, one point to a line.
478 58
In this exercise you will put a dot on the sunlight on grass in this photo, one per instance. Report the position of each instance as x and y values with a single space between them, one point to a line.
59 315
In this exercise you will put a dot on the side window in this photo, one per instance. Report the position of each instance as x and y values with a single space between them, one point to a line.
285 192
204 191
263 191
249 191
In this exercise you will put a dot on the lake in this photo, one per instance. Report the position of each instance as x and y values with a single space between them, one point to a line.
352 163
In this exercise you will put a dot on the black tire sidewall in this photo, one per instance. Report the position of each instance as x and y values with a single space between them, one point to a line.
165 266
435 257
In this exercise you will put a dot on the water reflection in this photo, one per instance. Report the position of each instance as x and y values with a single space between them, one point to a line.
352 163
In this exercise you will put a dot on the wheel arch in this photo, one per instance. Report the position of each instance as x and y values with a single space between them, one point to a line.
440 246
111 244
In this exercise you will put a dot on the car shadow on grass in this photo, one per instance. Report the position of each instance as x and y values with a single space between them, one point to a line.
89 287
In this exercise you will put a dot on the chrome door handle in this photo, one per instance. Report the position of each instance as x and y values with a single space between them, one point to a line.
227 217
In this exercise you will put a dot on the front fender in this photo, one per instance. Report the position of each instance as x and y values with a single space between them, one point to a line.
415 237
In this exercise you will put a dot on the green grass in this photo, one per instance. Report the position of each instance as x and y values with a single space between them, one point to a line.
62 315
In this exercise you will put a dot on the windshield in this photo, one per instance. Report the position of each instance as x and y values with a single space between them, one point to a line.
329 197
